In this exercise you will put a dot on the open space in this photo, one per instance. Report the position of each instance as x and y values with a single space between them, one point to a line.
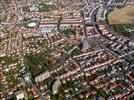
122 16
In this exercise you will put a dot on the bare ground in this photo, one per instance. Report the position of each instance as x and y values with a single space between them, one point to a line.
122 16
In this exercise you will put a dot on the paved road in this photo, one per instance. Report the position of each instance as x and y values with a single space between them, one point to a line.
38 92
2 88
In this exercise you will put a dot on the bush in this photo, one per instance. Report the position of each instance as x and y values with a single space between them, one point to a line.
102 93
120 29
45 7
38 59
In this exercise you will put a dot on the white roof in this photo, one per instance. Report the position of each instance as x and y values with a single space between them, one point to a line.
56 86
2 54
20 96
32 24
42 76
46 30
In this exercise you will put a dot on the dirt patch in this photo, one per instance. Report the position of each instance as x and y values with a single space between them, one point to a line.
130 14
122 16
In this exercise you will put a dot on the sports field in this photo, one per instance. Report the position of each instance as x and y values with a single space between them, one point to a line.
122 16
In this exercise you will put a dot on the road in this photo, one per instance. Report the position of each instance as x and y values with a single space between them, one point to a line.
38 92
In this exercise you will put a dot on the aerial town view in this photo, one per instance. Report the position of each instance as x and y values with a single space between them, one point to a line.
66 49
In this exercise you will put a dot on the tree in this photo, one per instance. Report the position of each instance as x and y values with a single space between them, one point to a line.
102 93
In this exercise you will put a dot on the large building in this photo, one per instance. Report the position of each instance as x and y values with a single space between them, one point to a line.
50 1
42 77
